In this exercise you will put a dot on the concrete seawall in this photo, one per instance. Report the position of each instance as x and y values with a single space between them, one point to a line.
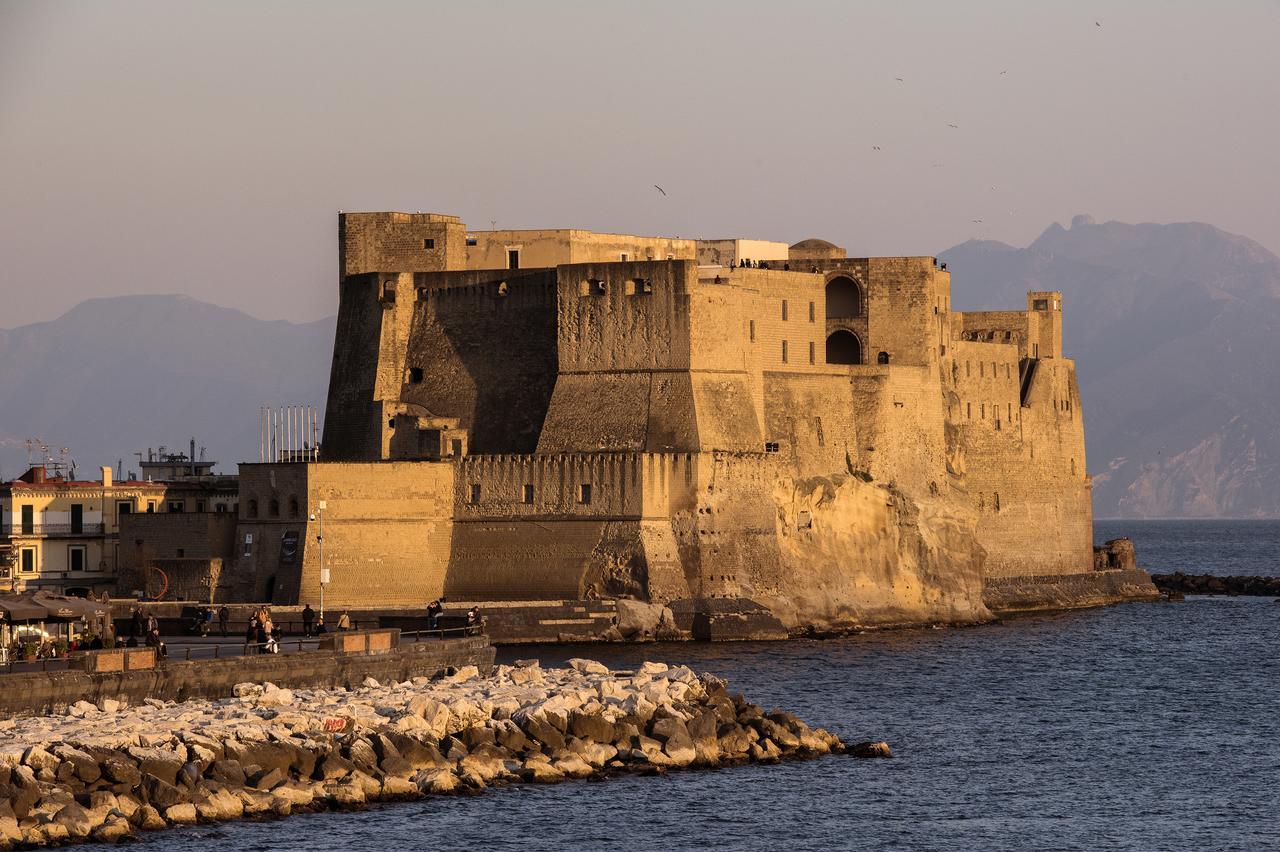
1068 591
35 693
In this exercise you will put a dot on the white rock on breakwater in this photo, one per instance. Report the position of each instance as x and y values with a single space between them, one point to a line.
104 773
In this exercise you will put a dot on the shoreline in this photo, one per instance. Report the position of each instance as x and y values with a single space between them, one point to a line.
108 772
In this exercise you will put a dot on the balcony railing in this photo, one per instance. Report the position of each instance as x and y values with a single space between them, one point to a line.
50 530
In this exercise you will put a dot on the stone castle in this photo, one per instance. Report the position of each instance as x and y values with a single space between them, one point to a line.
561 414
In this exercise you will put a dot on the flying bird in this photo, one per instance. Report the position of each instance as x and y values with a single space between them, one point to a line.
900 80
875 147
977 221
1005 71
1097 24
660 189
956 126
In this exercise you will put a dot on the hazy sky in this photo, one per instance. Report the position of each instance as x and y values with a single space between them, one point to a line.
206 148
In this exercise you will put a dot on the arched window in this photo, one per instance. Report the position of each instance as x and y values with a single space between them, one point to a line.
273 508
882 358
293 507
844 298
253 508
843 347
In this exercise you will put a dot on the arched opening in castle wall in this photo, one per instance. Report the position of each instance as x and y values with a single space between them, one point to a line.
844 298
843 347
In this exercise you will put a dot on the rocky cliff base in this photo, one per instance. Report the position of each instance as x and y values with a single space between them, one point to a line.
107 772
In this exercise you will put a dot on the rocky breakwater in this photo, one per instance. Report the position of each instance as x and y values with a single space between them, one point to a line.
1179 583
107 772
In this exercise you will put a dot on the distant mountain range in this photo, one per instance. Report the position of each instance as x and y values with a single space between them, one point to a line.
1176 332
113 376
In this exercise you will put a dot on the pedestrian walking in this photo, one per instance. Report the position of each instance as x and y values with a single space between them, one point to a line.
308 618
224 615
344 621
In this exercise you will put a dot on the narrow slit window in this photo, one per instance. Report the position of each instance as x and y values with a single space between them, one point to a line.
584 493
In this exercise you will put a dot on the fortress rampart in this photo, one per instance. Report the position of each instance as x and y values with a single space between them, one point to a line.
824 436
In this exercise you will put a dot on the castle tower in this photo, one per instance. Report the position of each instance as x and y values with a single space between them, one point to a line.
1044 323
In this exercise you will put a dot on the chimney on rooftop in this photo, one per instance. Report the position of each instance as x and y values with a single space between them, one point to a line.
106 477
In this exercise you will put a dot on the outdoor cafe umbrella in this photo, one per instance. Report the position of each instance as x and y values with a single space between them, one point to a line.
59 608
22 608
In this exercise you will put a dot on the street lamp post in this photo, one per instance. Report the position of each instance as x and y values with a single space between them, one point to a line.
324 572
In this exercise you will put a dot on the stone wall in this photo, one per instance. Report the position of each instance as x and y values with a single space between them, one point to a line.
481 347
193 546
37 693
387 531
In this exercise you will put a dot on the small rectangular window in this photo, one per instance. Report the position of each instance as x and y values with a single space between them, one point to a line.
622 257
415 375
811 353
513 258
475 493
181 552
75 558
471 241
526 494
812 313
784 310
584 493
177 505
28 520
77 519
770 446
428 244
784 351
28 560
751 328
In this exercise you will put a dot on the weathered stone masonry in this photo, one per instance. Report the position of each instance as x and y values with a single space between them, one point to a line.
828 439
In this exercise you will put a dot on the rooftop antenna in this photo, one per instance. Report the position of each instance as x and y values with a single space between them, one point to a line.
493 224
